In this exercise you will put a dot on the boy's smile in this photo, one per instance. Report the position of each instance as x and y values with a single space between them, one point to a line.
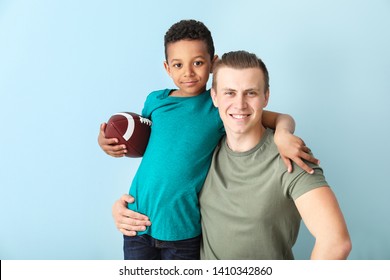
189 66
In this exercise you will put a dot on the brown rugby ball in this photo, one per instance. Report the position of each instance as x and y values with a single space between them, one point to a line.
130 129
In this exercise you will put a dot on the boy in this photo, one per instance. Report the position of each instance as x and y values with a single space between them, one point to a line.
186 129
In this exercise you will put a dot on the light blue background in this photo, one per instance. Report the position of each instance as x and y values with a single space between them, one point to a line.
66 66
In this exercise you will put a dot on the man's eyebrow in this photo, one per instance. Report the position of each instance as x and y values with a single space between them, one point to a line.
253 89
246 90
228 89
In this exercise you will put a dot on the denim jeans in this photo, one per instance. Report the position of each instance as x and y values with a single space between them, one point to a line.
145 247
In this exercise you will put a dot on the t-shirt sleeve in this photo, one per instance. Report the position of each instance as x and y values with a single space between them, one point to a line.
301 182
146 111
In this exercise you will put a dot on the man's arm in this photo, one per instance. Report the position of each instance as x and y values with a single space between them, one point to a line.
290 146
323 218
127 221
110 146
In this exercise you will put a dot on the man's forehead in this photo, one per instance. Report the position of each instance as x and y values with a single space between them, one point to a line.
228 77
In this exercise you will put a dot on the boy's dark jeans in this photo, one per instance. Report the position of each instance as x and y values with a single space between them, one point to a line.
145 247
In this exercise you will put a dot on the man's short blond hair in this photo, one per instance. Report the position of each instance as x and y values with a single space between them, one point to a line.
240 60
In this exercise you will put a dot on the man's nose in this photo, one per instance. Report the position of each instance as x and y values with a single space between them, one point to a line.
240 102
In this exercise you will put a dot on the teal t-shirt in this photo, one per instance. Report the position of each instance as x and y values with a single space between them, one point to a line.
185 132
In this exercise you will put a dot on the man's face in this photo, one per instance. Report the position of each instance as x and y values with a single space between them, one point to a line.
240 98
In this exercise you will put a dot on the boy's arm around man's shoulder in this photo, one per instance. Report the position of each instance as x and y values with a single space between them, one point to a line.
291 147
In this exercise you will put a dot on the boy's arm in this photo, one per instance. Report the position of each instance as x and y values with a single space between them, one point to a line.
274 120
290 146
323 218
109 146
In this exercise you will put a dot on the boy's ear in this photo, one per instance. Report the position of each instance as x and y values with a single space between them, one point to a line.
167 68
212 63
213 94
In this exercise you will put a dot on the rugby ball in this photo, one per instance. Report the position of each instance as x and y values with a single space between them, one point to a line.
130 129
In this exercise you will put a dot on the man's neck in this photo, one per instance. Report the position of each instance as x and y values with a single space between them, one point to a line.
244 142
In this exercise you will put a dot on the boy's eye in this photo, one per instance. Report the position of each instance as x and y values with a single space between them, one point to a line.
198 63
177 65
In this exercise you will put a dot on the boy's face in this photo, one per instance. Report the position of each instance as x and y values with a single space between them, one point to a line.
189 65
240 98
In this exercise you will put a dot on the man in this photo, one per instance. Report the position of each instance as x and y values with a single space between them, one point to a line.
251 207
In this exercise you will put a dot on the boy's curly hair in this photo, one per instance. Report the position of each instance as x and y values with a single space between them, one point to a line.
189 30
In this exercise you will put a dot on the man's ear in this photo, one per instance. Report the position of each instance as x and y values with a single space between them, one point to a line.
212 63
266 98
213 94
167 68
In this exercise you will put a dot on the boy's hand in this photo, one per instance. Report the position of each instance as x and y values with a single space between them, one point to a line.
293 148
110 146
127 221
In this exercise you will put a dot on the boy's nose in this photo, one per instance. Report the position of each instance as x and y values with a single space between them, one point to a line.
188 71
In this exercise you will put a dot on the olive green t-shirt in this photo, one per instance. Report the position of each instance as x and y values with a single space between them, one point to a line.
247 203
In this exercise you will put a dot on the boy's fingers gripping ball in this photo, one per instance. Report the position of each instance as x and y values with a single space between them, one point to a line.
130 129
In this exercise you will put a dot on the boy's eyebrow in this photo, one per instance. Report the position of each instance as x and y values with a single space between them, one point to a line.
179 60
199 56
175 60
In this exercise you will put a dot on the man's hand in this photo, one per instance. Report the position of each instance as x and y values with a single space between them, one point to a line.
294 148
110 146
127 221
